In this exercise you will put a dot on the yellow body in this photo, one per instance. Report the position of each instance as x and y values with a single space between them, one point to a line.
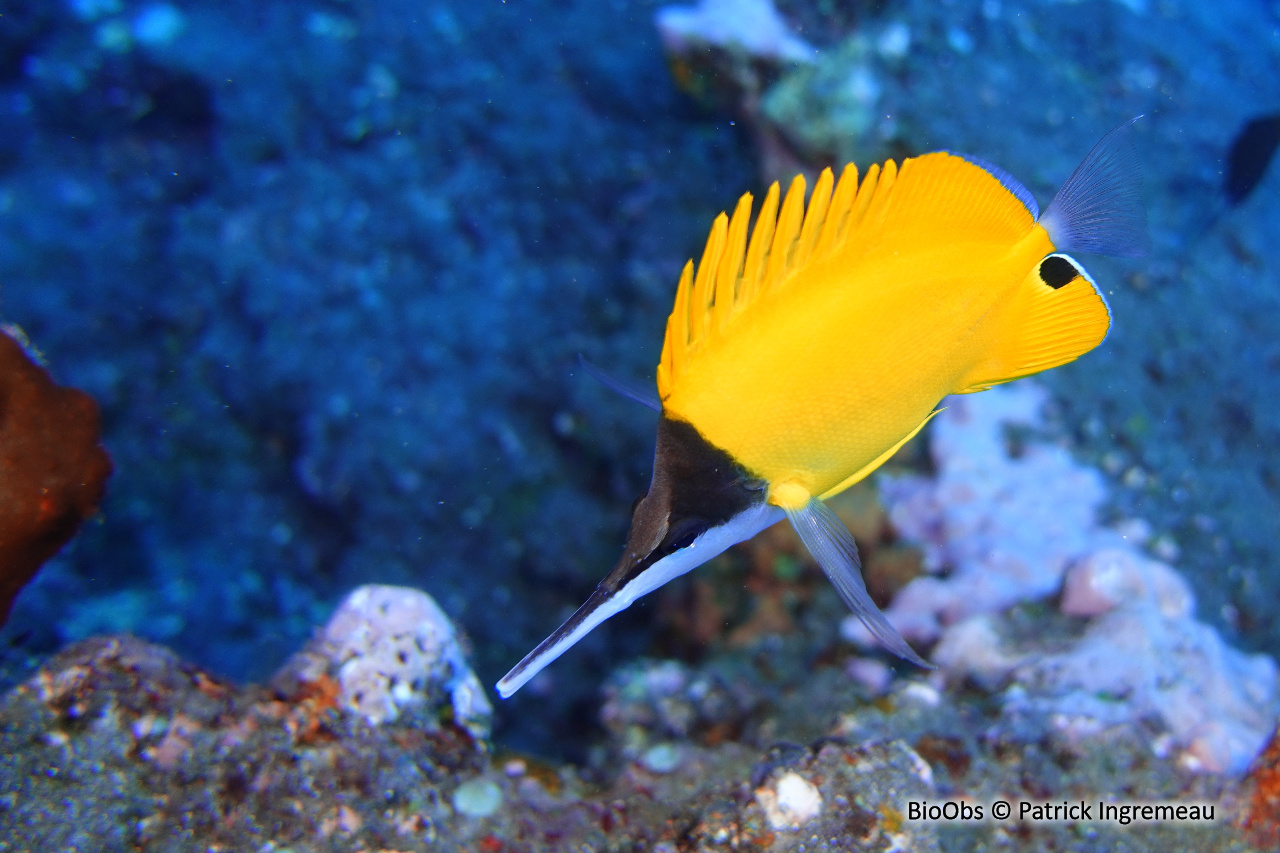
812 353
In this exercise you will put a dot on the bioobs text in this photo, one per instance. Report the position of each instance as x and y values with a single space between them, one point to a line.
949 810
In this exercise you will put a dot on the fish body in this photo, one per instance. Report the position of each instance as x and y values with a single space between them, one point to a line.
813 383
797 361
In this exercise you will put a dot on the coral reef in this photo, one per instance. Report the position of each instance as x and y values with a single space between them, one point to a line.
1261 818
150 754
1004 524
389 648
751 26
160 755
1012 518
53 468
118 744
326 267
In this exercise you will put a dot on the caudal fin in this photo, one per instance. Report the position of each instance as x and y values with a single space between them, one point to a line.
1100 209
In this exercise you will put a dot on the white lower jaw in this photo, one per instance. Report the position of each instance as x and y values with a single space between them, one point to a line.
715 541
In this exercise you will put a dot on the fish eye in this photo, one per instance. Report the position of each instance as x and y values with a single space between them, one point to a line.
684 532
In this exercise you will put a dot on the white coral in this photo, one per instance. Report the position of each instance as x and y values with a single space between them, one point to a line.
1009 527
753 26
393 647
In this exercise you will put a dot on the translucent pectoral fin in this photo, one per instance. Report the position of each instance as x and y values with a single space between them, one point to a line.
624 586
642 392
1100 208
832 545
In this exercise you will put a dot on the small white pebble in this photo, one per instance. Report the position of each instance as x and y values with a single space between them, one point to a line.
1136 530
922 768
797 802
923 693
477 798
515 767
1135 478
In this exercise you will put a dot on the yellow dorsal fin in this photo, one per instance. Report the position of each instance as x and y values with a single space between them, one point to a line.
839 214
790 218
941 194
730 271
937 195
704 283
1057 315
813 220
733 272
757 263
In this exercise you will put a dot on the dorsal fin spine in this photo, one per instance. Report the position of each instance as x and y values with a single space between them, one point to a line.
865 192
734 272
819 203
761 242
784 238
705 279
730 271
877 204
675 347
838 214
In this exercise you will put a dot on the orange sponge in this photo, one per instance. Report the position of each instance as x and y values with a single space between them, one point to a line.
53 470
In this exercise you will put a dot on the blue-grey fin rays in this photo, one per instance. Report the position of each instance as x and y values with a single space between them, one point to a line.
595 610
624 586
632 389
832 545
1006 180
1100 208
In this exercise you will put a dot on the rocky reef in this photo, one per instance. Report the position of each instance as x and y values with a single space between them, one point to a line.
326 268
117 744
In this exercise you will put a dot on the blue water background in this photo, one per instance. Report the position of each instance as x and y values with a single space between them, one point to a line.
326 267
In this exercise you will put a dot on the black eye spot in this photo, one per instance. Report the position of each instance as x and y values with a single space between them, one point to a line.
1056 271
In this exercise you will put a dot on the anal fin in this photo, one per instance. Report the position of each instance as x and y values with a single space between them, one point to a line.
1057 315
831 544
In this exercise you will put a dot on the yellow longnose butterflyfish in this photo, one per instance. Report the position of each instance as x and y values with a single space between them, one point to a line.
807 349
